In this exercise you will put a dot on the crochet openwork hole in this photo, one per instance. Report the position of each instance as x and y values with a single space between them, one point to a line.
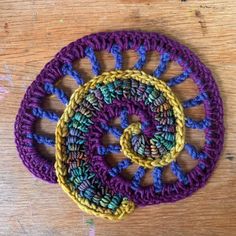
45 128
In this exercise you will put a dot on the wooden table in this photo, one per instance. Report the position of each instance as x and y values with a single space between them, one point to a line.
31 32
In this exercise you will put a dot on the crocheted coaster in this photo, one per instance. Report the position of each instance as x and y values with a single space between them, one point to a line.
153 142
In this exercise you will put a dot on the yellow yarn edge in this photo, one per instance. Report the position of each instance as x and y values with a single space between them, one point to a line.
61 132
135 128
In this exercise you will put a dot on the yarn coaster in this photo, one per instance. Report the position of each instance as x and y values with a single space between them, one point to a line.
153 142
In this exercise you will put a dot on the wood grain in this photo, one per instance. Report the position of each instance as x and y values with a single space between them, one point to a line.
31 32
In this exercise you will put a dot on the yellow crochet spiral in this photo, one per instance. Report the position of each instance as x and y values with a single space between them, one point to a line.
62 132
135 128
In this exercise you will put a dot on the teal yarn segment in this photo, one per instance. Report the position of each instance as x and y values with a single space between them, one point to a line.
89 188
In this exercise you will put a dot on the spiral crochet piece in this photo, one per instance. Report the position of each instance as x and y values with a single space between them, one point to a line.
153 142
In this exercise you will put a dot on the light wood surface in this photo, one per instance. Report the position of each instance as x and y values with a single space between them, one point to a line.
31 32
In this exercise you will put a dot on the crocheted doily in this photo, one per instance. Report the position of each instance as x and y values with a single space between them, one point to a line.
153 142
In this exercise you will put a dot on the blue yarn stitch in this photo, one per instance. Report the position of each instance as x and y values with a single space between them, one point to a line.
137 178
114 131
116 52
179 79
142 58
41 139
119 167
112 148
51 89
93 59
144 125
165 58
192 151
40 113
67 69
124 123
195 101
178 172
193 124
202 165
157 182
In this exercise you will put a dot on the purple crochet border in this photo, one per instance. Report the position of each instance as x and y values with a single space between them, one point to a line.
25 120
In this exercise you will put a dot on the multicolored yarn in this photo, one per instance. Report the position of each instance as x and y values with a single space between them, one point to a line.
153 142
